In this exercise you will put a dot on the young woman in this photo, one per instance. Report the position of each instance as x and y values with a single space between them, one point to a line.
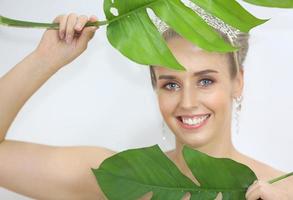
196 104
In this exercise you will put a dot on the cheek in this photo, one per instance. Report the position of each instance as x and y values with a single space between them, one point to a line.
219 101
167 102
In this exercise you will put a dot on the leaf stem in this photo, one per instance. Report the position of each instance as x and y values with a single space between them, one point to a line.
27 24
280 178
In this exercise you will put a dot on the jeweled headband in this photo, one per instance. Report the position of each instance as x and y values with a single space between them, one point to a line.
231 32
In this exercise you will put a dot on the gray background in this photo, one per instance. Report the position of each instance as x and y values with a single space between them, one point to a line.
103 99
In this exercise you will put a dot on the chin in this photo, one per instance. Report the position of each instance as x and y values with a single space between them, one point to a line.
194 138
194 141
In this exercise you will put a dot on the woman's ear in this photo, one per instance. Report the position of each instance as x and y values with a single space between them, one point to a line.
238 83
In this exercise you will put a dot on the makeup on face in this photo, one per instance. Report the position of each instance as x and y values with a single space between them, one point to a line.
193 122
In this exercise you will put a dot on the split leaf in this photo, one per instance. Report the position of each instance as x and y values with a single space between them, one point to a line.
131 174
132 32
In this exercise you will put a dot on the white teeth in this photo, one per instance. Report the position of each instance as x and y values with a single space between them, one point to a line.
194 121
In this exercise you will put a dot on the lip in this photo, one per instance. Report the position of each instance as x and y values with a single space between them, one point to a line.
192 127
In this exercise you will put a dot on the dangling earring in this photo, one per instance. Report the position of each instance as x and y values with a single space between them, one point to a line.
238 106
164 131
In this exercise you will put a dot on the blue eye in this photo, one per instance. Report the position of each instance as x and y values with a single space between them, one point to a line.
172 86
205 82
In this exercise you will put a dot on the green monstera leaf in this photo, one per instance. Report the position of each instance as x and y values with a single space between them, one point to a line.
272 3
131 174
132 32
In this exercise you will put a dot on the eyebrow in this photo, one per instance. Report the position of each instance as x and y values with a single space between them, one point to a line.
200 73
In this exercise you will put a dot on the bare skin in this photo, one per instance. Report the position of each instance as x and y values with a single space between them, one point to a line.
205 88
189 93
41 171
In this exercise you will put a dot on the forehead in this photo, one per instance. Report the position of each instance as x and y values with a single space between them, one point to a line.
195 59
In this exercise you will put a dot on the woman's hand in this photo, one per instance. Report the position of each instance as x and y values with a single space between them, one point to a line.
265 191
59 47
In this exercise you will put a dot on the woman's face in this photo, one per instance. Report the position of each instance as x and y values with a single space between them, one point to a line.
197 103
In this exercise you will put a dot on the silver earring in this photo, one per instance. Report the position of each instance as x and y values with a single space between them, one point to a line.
238 106
164 131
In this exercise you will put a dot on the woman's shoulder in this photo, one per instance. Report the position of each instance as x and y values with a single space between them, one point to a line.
266 172
262 170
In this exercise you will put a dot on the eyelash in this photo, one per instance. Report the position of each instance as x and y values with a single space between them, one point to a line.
173 83
168 85
207 79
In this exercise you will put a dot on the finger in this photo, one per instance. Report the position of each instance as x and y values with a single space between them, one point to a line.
89 32
93 18
86 35
254 195
251 188
62 26
71 21
186 196
60 20
57 19
81 21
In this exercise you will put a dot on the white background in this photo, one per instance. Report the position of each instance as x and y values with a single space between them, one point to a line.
103 99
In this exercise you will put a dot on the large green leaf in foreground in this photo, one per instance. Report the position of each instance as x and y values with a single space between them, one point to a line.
131 174
132 32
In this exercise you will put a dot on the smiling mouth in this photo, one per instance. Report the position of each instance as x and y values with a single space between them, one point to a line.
193 122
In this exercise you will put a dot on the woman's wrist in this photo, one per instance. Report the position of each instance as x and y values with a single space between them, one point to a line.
45 61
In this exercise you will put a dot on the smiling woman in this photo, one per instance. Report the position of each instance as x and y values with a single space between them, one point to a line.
196 104
205 78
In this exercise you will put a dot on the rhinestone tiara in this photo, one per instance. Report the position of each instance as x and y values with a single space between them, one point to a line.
218 24
213 21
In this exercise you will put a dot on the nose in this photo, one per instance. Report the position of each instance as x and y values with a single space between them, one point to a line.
189 98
